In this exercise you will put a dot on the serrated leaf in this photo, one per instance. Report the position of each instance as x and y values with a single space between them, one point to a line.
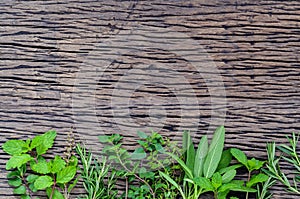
20 190
258 178
138 154
142 134
57 164
41 166
216 180
232 167
228 176
73 161
214 152
56 194
43 182
13 174
204 183
255 164
16 182
46 142
66 174
225 159
31 178
17 161
240 156
200 156
14 147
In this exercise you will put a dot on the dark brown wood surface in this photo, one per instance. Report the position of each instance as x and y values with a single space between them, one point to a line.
121 66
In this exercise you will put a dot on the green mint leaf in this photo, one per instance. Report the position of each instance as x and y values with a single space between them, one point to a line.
14 147
138 154
32 187
43 182
20 190
228 176
25 197
255 164
13 174
57 164
216 180
214 152
240 156
45 142
142 134
56 194
232 167
41 167
16 182
71 186
17 161
204 183
66 174
31 178
103 138
258 178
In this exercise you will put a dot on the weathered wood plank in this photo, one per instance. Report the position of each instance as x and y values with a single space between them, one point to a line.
51 75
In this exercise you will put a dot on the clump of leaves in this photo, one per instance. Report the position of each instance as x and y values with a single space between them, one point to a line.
208 168
289 155
53 176
140 167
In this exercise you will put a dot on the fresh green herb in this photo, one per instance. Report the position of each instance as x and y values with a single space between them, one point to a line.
53 176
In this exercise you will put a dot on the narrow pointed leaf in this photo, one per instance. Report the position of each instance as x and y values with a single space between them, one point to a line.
200 157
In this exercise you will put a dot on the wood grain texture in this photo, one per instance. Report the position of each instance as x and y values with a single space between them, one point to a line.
116 66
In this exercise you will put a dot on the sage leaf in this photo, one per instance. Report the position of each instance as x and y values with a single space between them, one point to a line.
66 175
214 152
200 157
240 156
189 150
43 182
228 176
17 161
14 147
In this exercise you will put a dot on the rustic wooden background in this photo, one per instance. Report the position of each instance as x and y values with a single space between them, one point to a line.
51 76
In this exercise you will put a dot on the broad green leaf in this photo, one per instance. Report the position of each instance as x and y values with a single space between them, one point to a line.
255 164
232 167
57 164
223 195
204 183
14 147
16 182
43 182
17 161
31 178
20 190
200 156
36 141
225 159
73 161
56 194
13 174
25 197
216 180
228 176
189 150
138 154
103 138
240 156
170 180
214 152
46 142
142 134
258 178
188 172
32 187
66 174
41 166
